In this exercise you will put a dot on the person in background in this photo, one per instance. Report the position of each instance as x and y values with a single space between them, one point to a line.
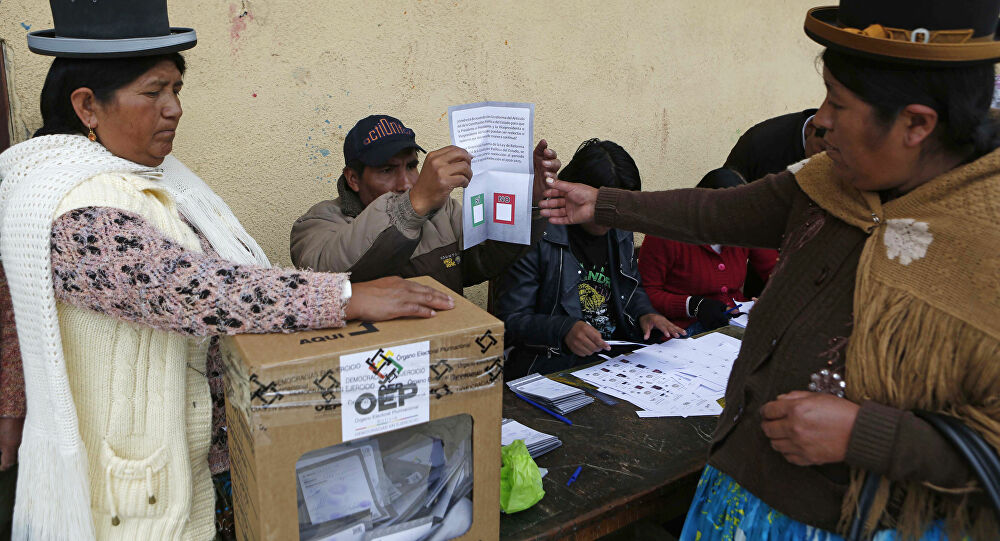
392 218
578 287
769 147
122 266
774 144
699 286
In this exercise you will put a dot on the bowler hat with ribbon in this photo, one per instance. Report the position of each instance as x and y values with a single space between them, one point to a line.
110 29
916 32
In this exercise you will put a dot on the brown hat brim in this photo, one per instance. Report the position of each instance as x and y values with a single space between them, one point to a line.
821 26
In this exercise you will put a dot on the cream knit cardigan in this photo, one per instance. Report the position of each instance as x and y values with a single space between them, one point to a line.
127 458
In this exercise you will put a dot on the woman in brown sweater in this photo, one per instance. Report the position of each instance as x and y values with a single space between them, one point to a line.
885 298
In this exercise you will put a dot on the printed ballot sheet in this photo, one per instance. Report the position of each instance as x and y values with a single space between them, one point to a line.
678 378
497 203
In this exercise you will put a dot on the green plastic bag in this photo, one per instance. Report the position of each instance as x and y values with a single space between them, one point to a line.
520 480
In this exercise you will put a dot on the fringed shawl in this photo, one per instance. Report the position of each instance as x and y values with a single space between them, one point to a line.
926 320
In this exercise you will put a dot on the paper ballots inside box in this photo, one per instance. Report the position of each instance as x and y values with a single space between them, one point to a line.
339 487
354 532
499 136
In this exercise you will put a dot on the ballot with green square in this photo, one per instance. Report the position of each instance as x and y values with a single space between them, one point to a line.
478 210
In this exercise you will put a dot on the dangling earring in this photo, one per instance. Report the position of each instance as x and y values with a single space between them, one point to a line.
91 135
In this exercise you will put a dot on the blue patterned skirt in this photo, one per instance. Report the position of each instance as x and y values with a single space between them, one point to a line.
722 510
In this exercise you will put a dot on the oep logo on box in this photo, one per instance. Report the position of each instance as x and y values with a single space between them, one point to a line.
385 389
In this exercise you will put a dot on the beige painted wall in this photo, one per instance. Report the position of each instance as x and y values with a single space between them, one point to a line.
273 86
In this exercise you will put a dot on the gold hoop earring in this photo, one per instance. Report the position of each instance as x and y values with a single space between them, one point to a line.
91 135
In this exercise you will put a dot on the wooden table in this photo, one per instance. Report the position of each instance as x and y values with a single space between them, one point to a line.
632 468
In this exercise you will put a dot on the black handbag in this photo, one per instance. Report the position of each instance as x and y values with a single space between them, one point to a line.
980 456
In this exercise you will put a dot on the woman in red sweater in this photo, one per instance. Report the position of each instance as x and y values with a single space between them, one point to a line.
696 285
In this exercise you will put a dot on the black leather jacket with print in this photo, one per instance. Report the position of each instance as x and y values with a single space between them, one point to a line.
539 301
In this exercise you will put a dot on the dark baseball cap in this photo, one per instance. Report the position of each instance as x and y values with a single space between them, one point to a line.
376 139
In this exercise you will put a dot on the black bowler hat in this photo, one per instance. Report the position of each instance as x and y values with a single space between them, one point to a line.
110 29
376 138
917 32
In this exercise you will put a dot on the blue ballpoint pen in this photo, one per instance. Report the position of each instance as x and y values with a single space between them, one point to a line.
575 474
546 410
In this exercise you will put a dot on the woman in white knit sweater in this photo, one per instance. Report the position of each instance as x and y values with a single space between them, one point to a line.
120 261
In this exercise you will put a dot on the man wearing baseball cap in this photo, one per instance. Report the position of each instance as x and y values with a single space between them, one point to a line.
392 219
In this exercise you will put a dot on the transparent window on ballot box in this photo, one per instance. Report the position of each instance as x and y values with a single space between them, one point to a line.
411 484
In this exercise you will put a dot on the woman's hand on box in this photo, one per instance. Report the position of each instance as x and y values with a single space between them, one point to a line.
394 297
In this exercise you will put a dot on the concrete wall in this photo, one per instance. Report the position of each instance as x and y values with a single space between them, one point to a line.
273 86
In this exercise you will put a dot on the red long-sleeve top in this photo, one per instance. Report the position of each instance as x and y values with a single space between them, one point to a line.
672 271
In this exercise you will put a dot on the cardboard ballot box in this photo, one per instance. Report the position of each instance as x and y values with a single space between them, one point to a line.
372 431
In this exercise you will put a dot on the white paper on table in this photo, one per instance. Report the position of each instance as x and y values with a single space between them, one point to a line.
511 430
676 378
707 392
624 343
338 487
541 386
499 136
743 318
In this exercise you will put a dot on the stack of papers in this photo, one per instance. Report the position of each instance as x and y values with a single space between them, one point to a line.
538 443
558 397
744 317
679 378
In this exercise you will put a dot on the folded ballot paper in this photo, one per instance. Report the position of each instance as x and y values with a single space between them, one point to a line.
558 397
538 443
497 201
678 378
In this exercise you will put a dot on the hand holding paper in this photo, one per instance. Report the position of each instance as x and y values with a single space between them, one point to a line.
569 203
546 167
583 339
444 170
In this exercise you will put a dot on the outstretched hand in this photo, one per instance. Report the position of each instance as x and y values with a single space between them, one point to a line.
393 297
568 203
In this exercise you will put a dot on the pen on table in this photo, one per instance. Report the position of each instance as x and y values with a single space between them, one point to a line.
736 307
573 477
546 410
